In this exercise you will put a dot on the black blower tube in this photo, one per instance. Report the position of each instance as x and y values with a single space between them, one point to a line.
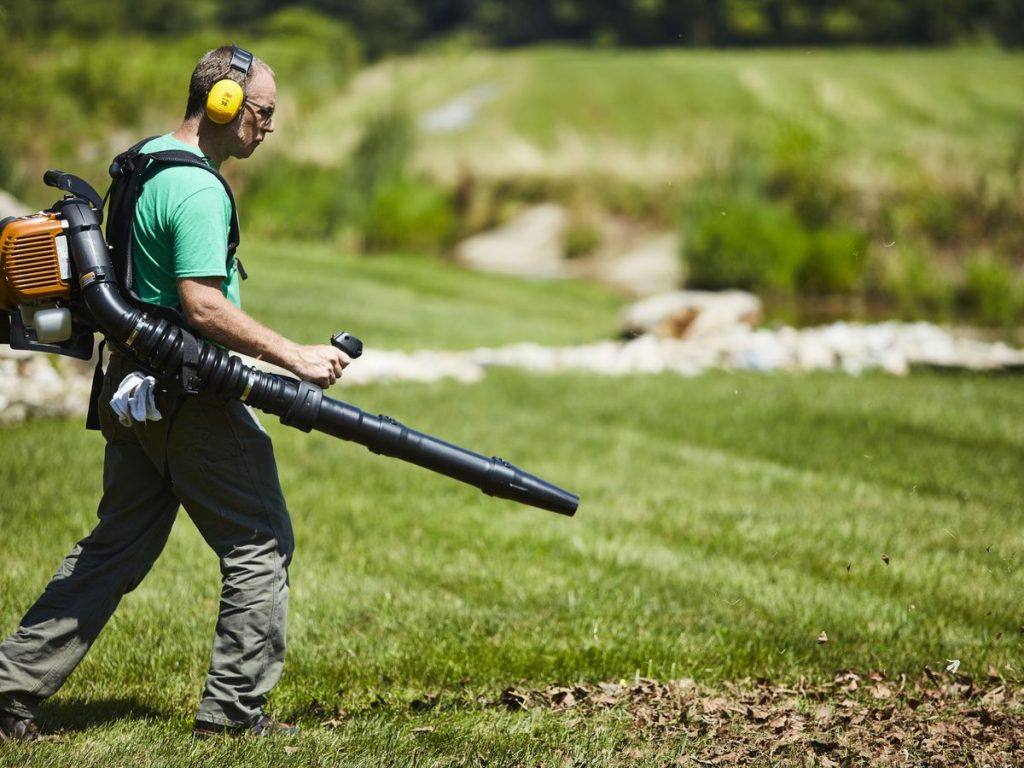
161 347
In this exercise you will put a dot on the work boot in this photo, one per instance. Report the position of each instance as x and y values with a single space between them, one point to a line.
264 726
14 728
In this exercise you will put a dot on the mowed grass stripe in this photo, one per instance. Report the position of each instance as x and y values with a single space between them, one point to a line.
953 111
726 521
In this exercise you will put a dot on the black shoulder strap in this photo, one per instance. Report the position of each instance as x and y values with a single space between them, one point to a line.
122 195
171 157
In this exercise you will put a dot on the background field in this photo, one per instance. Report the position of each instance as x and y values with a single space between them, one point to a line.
654 115
891 180
662 115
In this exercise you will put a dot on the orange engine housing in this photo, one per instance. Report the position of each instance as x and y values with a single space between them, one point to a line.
34 261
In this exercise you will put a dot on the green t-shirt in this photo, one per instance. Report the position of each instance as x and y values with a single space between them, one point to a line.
182 221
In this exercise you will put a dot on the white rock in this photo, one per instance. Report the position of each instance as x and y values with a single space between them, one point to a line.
649 269
764 351
34 384
530 245
691 314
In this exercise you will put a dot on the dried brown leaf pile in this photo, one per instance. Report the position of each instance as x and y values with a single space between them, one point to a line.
857 719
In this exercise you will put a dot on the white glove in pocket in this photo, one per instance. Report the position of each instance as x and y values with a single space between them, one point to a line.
135 400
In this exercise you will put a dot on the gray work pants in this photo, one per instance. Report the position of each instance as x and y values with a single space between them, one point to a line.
218 463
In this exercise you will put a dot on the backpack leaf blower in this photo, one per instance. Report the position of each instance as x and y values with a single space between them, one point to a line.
58 288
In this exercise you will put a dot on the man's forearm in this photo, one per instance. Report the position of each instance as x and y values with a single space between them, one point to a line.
231 327
210 314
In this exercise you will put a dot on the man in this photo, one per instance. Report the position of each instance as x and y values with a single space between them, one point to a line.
210 456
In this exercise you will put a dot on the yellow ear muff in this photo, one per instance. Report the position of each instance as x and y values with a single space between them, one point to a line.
224 101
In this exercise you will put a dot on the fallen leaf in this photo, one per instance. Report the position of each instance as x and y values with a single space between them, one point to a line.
290 750
737 722
423 729
337 721
758 714
822 638
885 558
880 691
953 665
512 699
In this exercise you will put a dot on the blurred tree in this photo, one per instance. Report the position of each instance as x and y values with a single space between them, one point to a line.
1008 21
388 26
383 26
310 51
31 18
514 22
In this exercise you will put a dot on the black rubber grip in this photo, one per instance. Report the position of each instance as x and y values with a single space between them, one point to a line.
348 344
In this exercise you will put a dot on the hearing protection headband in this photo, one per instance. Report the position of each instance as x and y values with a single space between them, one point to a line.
226 97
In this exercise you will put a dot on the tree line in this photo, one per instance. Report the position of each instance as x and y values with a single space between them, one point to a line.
392 26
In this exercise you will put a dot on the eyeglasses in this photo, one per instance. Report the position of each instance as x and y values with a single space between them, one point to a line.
265 114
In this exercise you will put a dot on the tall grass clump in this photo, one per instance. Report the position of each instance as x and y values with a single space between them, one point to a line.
992 290
408 214
386 203
908 277
948 245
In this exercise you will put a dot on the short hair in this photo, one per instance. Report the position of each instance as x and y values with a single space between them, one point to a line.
215 65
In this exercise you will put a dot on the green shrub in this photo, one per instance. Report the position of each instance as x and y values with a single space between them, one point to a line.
744 243
280 198
408 214
383 201
383 151
773 221
991 290
834 261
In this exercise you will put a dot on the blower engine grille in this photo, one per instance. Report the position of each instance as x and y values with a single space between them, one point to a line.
34 261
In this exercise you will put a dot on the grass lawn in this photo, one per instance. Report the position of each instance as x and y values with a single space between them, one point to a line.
726 521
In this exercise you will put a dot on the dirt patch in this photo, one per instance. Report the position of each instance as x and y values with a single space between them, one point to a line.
857 719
